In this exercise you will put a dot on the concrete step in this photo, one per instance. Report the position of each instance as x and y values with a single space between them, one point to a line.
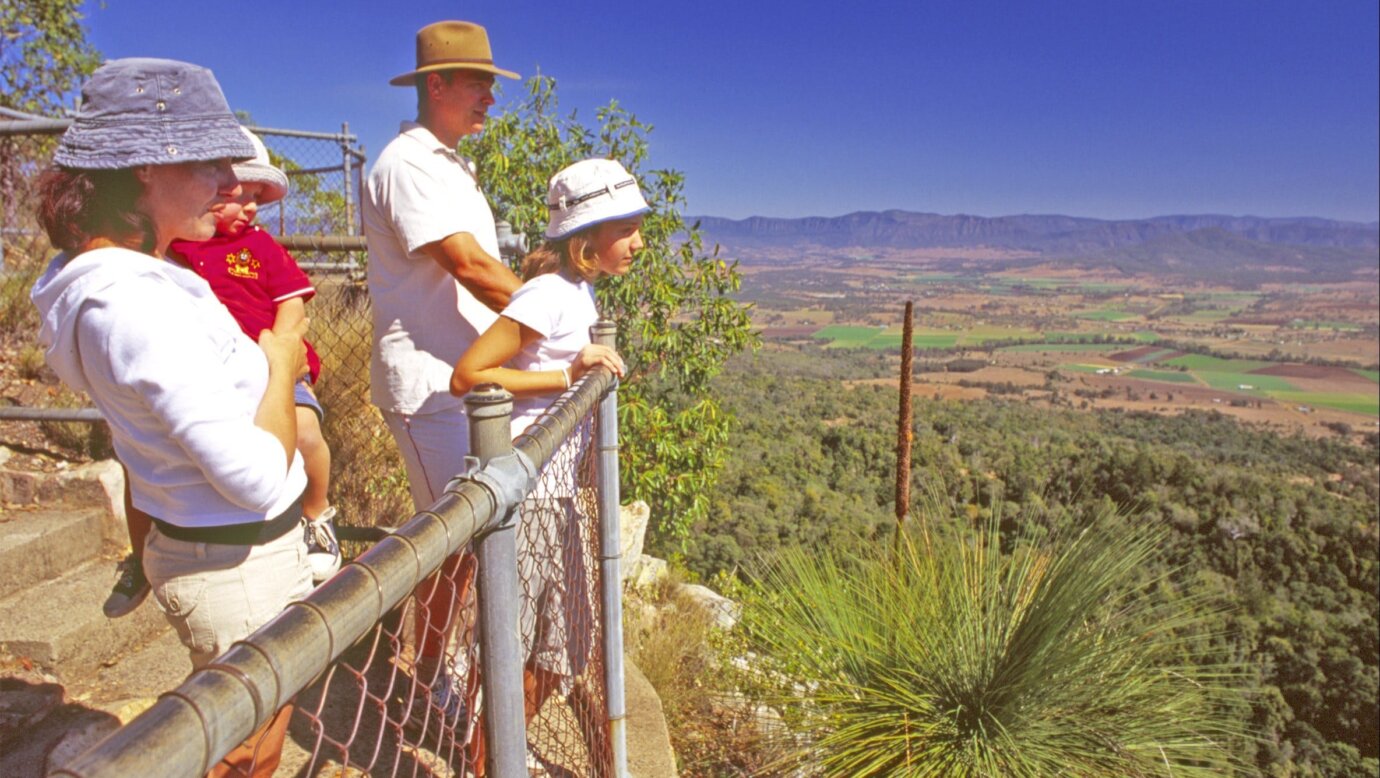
39 544
59 625
94 705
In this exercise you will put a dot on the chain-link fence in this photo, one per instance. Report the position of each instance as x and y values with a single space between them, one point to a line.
529 678
389 709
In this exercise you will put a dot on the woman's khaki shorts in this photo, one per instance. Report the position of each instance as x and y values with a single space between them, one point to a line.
214 594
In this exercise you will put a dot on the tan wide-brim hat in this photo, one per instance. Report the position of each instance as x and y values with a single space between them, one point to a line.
452 46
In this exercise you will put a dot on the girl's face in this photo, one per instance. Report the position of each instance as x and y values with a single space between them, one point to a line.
615 243
179 198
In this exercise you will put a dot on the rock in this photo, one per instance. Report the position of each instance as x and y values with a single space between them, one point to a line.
632 530
724 611
24 704
645 572
109 477
80 735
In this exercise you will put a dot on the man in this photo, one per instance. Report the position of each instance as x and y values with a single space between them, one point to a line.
434 276
436 284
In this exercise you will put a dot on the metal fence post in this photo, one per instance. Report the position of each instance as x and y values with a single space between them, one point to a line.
349 185
490 410
605 333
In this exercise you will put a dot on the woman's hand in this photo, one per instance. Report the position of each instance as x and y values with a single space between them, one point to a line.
285 349
287 362
592 356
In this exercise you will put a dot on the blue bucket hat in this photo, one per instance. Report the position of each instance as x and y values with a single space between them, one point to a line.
142 111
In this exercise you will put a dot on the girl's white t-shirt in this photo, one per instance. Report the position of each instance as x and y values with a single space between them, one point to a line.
562 311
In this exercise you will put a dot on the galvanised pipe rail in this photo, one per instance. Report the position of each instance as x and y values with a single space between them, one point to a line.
323 243
34 126
192 727
15 413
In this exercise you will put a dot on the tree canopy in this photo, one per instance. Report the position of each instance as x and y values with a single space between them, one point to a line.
44 54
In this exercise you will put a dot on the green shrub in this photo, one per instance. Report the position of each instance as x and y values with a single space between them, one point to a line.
952 658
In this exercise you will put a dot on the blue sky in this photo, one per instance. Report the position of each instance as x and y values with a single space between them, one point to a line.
1106 108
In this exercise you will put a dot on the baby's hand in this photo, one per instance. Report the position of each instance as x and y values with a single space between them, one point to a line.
592 356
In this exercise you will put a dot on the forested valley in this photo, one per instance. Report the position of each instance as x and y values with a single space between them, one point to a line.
1278 534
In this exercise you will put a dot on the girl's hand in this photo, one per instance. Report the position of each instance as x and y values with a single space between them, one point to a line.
285 349
592 356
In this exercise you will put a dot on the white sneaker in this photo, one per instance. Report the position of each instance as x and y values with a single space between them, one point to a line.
323 550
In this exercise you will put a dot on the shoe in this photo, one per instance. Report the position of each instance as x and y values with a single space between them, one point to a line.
449 695
130 589
323 550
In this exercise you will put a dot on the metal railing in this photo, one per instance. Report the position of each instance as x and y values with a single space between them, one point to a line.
190 728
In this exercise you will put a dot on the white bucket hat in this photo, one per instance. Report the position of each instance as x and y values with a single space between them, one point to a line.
260 171
590 192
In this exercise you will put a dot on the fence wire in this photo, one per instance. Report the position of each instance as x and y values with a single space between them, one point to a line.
386 709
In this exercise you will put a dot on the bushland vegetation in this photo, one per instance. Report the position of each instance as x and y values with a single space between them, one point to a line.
1282 531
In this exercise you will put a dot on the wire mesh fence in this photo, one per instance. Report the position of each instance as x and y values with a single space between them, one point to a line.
407 701
371 700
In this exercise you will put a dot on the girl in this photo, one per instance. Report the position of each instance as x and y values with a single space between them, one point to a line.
536 349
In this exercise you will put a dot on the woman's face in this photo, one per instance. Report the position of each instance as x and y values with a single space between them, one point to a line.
615 243
178 198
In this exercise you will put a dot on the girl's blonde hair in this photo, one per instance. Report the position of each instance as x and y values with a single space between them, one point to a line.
573 253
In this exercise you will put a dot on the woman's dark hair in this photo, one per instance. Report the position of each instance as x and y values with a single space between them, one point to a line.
77 205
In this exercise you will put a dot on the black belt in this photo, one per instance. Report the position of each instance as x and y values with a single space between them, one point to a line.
253 534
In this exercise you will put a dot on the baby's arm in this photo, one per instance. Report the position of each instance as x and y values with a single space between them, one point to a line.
289 312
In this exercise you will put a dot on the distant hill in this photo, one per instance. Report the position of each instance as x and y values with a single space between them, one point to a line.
1044 234
1192 245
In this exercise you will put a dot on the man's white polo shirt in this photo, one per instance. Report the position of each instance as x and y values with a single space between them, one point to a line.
420 192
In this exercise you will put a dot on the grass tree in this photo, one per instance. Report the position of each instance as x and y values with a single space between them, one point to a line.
952 658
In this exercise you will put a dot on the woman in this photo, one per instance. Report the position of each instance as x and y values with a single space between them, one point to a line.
201 417
539 345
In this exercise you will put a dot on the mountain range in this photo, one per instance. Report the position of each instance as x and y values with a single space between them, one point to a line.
1187 244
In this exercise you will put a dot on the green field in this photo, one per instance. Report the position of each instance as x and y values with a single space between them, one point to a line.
1171 376
1234 381
1373 375
1084 368
931 341
1368 404
847 336
1202 362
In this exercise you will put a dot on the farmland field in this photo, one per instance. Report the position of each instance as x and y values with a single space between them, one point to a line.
1291 345
1234 381
1368 404
1061 348
1216 364
1172 376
